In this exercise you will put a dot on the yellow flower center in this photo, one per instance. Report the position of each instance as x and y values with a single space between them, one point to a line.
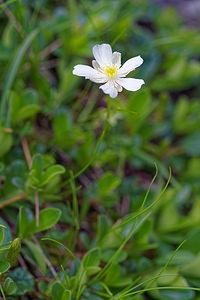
110 71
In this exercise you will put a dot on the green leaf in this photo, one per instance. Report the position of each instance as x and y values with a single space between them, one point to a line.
38 255
92 258
1 233
114 279
13 70
10 287
48 217
192 243
140 102
38 176
26 112
52 172
192 269
57 291
66 295
108 254
6 142
165 223
5 247
24 281
7 232
4 266
92 270
23 222
191 144
103 226
182 257
107 183
37 166
177 294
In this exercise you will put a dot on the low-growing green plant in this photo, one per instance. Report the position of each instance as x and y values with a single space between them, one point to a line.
81 217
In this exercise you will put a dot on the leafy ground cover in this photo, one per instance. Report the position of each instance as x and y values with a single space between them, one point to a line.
97 206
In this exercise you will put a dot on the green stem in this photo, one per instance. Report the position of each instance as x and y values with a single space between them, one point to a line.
75 202
141 211
66 248
108 108
163 288
2 292
97 146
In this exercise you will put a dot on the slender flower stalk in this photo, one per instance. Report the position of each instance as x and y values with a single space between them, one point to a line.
107 69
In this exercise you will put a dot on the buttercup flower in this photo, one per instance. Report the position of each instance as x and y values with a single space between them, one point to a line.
107 69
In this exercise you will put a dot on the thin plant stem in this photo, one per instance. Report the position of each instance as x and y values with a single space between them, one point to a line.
168 262
66 248
109 264
2 292
53 271
152 280
108 108
97 147
142 211
163 288
12 200
128 290
75 202
106 288
75 212
26 152
13 19
9 111
37 208
28 157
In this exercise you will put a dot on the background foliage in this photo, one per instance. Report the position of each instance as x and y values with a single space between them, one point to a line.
51 125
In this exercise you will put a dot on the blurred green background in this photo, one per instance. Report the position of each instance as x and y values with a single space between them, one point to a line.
47 110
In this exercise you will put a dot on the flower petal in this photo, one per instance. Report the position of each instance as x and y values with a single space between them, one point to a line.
130 65
118 86
108 88
116 59
89 73
131 84
96 66
103 54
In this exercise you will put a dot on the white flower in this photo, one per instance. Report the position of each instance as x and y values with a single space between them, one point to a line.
107 69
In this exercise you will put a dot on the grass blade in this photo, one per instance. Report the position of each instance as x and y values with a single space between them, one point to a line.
13 71
7 3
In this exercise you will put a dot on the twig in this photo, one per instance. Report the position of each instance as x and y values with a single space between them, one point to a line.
8 130
29 162
12 19
51 48
22 263
12 200
26 152
53 271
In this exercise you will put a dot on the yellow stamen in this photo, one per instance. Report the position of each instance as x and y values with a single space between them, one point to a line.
110 71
